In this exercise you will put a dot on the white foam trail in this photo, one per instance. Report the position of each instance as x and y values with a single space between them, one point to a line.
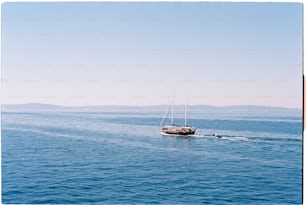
235 138
123 142
201 136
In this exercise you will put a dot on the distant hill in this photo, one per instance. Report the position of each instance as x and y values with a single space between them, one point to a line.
31 106
36 107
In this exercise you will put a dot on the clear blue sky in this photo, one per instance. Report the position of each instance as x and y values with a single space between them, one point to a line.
137 53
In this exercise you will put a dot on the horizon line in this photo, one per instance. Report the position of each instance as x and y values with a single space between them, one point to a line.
107 105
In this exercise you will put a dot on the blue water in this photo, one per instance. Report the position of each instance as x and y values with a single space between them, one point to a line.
113 158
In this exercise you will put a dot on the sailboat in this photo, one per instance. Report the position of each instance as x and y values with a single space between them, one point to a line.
173 129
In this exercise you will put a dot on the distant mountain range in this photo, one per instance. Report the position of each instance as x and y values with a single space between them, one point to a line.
153 108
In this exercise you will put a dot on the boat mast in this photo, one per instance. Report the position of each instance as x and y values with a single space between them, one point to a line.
186 111
172 108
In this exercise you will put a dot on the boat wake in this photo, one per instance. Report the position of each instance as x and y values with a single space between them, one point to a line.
236 138
223 137
260 139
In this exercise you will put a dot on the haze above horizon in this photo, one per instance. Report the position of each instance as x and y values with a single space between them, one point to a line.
107 53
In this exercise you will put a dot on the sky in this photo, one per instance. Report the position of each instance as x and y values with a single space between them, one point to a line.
107 53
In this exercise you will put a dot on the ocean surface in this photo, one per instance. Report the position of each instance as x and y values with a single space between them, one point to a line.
121 158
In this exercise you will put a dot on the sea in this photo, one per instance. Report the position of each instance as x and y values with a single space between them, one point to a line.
58 157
